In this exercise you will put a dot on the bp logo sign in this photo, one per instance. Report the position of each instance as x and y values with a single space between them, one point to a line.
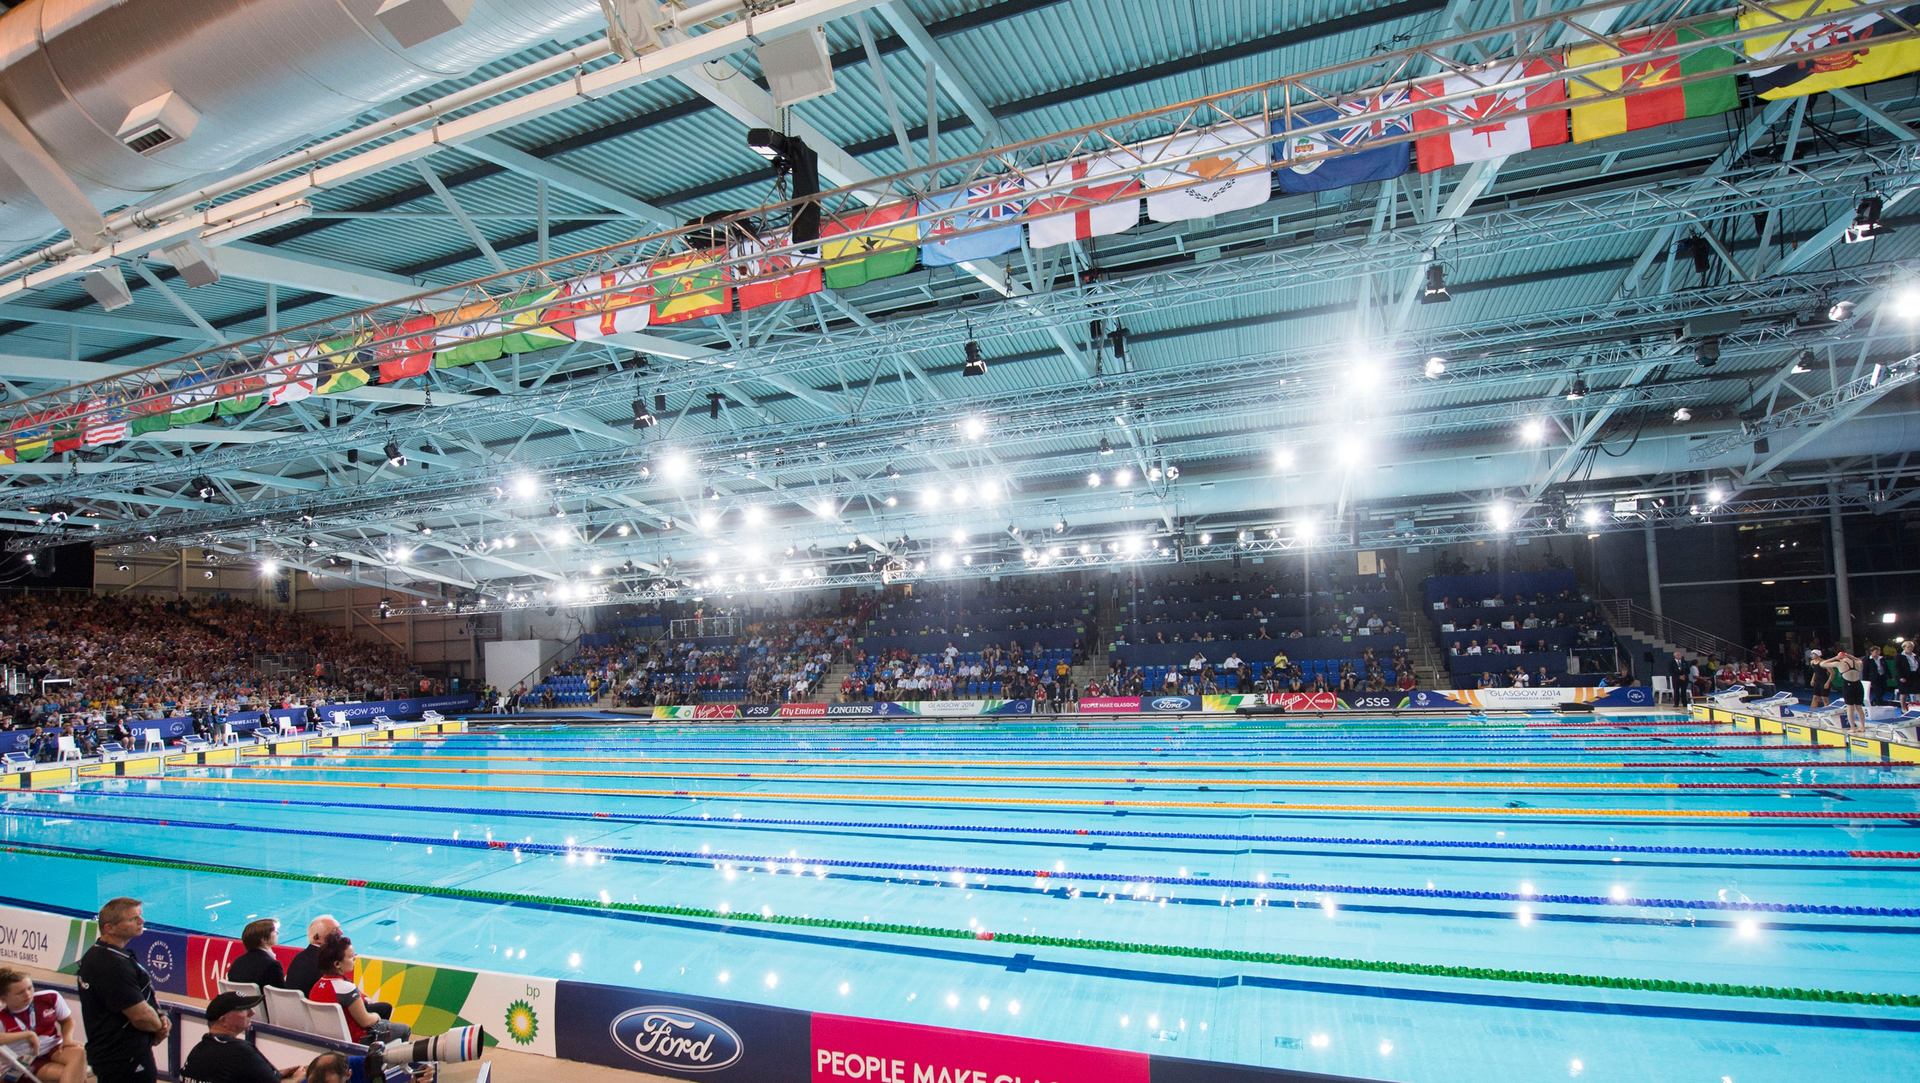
523 1023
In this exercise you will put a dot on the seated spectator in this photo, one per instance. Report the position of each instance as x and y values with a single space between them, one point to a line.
336 986
224 1055
304 970
1197 663
37 1027
259 966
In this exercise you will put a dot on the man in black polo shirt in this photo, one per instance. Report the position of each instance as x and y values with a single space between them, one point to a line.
225 1055
122 1018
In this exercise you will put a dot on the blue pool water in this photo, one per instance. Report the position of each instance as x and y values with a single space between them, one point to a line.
1523 844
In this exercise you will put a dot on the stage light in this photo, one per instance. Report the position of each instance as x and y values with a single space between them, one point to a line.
1117 339
892 473
1841 311
1866 221
1889 618
1591 515
710 493
1059 526
1304 528
1435 290
1533 430
202 487
946 561
930 497
708 519
1206 538
1123 476
713 405
891 500
623 530
395 457
1802 364
1500 514
122 567
1436 366
1093 480
974 427
269 566
1284 458
675 466
827 508
960 495
1683 414
1578 391
1716 495
1106 447
1349 452
975 365
208 574
1707 352
642 417
755 515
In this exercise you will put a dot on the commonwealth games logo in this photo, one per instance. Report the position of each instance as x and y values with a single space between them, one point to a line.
523 1024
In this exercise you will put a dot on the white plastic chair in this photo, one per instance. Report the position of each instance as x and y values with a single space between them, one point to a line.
153 739
326 1020
285 725
68 749
284 1008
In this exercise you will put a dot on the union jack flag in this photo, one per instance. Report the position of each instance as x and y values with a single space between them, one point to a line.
1374 127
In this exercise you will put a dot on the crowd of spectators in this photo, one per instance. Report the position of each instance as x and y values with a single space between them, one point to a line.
1000 672
87 665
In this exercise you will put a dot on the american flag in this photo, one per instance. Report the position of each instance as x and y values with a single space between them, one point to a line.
106 423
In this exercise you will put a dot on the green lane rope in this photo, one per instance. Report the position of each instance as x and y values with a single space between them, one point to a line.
1272 958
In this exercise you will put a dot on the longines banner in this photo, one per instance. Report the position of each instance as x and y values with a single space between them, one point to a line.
1523 699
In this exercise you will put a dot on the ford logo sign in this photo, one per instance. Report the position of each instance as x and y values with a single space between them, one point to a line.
676 1038
1170 703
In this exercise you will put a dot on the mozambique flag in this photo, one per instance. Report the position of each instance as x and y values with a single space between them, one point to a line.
1651 101
30 437
1861 61
882 253
192 401
526 330
467 336
154 414
242 392
689 286
344 368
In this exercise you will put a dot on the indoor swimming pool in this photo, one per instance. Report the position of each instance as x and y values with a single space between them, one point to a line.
1429 899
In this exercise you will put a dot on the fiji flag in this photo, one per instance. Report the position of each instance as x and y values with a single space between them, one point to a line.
1334 157
973 232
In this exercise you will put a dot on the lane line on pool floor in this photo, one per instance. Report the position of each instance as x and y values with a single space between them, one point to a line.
1075 834
371 754
1525 811
1225 783
1430 970
943 872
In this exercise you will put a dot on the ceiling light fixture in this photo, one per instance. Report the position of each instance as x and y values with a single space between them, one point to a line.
1435 291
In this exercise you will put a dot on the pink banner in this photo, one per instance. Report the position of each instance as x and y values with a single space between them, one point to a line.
208 958
1097 704
847 1050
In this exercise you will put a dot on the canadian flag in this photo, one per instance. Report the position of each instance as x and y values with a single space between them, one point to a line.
1104 201
1489 115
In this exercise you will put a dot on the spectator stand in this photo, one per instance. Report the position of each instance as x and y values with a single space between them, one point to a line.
1491 626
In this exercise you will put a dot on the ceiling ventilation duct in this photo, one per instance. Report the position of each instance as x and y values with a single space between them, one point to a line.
133 99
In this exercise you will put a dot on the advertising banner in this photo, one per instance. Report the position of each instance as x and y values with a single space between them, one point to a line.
1169 704
171 729
690 711
1372 701
948 707
208 958
46 941
760 710
1306 701
682 1036
1522 699
1008 706
1624 697
849 1050
15 740
164 954
434 999
869 710
803 710
1424 699
1107 704
397 708
1233 701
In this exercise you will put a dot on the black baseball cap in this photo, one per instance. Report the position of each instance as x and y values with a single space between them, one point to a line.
228 1002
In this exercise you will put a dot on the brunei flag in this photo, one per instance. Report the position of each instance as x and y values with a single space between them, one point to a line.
1651 99
529 329
344 366
689 286
884 252
1852 33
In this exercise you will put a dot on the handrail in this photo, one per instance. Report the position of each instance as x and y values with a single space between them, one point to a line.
1693 640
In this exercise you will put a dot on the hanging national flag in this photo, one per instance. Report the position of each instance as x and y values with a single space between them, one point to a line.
1492 128
882 253
991 228
689 286
154 413
1865 62
1229 174
408 351
468 335
1337 157
193 400
540 321
610 303
343 364
242 391
106 421
296 375
1106 201
66 428
30 437
780 277
1651 101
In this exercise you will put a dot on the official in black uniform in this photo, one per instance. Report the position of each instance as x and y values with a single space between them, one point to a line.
224 1055
117 1004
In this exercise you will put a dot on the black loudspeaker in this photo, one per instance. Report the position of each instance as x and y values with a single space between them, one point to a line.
1576 708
